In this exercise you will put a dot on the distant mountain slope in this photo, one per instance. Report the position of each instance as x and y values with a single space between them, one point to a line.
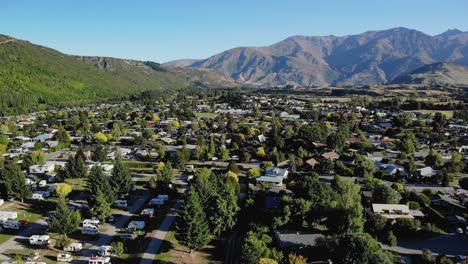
148 75
436 74
33 75
151 74
373 57
180 63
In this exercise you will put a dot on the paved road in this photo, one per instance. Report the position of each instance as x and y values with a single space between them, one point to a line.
111 231
158 236
224 164
233 248
450 244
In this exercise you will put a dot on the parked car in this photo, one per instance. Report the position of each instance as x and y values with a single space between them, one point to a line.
459 230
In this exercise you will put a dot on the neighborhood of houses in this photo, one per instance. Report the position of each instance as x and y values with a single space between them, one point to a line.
408 167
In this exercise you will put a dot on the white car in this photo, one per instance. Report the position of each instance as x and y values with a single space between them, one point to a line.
459 230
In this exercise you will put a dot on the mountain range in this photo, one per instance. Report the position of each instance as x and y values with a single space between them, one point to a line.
373 57
34 77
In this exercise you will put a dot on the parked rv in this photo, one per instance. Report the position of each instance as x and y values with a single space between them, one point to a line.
105 251
12 225
99 260
94 222
121 204
73 247
39 240
64 257
90 230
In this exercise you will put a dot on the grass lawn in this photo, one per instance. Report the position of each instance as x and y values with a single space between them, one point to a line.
206 115
173 252
77 184
4 237
449 114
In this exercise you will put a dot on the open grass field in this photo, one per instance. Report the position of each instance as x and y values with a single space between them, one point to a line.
173 252
448 114
206 115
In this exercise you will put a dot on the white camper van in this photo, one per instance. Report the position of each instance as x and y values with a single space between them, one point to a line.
39 240
135 226
105 251
12 225
99 260
90 230
64 257
121 204
94 222
73 247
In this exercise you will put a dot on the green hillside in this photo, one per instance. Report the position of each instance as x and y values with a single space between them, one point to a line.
32 77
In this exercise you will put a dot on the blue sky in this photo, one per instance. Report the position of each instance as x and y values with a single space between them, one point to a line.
174 29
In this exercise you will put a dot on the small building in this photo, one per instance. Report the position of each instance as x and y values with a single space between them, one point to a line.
270 180
395 211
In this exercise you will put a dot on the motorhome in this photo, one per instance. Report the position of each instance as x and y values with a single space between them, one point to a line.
99 260
39 240
90 230
73 247
135 225
156 201
12 225
94 222
64 257
8 215
148 212
37 196
121 204
42 183
105 251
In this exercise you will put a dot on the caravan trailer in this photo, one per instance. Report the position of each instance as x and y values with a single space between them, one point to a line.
39 240
99 260
12 225
90 230
94 222
73 247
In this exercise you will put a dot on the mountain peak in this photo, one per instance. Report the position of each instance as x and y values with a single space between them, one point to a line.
450 32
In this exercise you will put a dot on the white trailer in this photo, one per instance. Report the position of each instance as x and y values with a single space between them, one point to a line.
90 230
73 247
8 215
136 225
121 203
64 257
99 260
105 251
94 222
39 240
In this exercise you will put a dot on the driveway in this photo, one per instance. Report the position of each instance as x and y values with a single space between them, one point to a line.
111 231
450 244
158 236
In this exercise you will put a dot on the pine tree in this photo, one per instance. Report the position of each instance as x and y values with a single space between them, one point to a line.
102 207
65 221
98 182
121 180
192 226
14 181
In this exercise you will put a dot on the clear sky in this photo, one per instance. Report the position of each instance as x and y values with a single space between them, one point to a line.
164 30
